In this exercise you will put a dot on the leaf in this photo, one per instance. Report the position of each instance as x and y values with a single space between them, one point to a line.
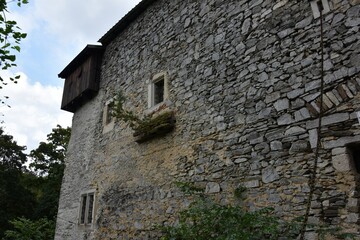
17 48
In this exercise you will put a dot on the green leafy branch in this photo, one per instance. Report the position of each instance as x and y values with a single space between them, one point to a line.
27 229
206 219
144 128
127 116
10 38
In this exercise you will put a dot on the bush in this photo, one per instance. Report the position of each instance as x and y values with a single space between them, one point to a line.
25 229
205 219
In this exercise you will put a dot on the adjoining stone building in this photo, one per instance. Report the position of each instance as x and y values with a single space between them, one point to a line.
242 80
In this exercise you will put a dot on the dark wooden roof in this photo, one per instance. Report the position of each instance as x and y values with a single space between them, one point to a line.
88 51
125 21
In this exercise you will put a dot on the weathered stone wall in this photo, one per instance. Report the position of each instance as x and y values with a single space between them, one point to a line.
244 82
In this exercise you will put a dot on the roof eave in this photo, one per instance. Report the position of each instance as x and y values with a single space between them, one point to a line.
79 59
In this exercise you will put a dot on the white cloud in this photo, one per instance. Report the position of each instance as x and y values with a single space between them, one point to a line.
63 28
80 21
57 32
35 110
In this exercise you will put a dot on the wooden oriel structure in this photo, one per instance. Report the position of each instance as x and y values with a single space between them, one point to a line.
81 78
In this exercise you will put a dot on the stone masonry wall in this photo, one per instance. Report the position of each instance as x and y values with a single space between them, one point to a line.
244 83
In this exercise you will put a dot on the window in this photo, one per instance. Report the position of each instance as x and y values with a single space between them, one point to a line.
354 151
108 119
318 6
87 208
158 89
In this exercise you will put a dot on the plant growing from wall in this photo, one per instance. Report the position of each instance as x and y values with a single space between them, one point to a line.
144 128
206 219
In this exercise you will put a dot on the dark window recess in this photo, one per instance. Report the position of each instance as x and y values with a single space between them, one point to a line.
83 209
320 5
159 91
354 151
90 210
109 109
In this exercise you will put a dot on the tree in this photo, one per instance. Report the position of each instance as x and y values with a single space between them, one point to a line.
11 154
24 229
28 201
51 154
10 38
15 199
48 161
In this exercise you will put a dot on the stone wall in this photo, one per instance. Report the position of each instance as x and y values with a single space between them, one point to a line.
244 83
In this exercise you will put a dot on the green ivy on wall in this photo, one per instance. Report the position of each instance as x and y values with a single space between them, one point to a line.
144 128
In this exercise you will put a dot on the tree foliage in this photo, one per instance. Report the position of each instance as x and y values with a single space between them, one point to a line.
31 195
11 154
10 38
25 229
48 160
50 155
10 35
15 199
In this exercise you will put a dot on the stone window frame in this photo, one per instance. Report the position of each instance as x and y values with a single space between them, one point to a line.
85 208
346 158
315 7
108 120
162 76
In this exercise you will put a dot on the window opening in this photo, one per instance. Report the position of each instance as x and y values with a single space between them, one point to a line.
319 6
87 208
354 151
108 114
159 91
83 209
90 209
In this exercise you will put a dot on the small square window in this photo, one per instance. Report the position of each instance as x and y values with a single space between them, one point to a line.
158 89
87 208
318 6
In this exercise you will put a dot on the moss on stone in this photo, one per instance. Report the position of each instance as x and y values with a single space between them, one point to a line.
154 127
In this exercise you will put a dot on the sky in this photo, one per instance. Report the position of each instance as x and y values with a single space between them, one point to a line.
57 32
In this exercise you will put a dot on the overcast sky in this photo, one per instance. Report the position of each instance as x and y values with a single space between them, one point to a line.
57 32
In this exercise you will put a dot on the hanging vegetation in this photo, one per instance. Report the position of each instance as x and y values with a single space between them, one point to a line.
146 128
